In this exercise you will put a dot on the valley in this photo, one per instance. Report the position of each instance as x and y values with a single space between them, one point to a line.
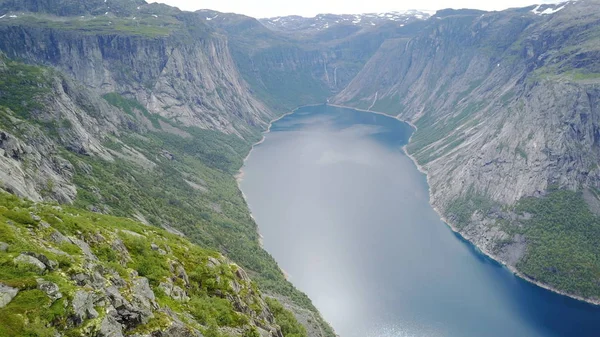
145 112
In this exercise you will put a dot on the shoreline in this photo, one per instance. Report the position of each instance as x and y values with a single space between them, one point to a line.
240 176
453 227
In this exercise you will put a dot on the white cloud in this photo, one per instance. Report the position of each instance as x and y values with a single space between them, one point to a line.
270 8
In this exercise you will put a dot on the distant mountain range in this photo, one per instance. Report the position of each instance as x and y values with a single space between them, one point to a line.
325 21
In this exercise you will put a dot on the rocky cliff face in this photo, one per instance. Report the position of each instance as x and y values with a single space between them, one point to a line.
192 82
506 105
138 111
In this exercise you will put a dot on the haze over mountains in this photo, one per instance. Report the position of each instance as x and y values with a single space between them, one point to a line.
144 111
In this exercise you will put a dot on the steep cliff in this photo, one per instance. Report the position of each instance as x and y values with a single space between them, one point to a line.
506 106
167 60
141 112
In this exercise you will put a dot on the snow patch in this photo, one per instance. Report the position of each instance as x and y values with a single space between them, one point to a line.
2 16
547 11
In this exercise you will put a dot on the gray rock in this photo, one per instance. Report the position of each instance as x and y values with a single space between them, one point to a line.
35 217
87 251
50 289
114 296
212 262
50 264
154 246
110 327
30 260
3 247
83 307
81 279
122 251
7 294
143 293
58 238
179 271
178 329
174 291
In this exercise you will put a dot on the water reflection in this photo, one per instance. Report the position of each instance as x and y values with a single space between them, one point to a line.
346 214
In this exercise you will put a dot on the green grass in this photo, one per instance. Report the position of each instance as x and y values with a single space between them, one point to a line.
288 323
147 26
31 313
21 85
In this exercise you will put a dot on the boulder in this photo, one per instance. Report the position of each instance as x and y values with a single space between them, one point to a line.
31 261
87 251
83 307
50 264
110 327
7 294
174 291
58 238
3 247
50 289
122 252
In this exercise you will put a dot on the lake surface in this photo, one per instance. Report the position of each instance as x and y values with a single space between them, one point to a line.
346 214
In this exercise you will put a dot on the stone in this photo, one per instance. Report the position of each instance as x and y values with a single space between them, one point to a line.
30 260
212 262
154 246
50 264
142 292
58 238
83 307
7 294
174 291
179 271
3 247
110 327
87 251
80 279
114 296
50 289
122 252
35 217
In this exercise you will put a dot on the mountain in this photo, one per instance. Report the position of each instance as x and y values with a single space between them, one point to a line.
139 113
506 109
121 109
298 24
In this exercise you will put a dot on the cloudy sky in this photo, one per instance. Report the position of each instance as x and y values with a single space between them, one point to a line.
269 8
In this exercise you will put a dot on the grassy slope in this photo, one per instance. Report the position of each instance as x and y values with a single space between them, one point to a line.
31 313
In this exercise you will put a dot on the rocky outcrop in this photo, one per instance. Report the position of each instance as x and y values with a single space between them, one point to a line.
51 289
98 294
28 260
7 294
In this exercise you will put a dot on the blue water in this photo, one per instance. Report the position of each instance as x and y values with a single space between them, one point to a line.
346 215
